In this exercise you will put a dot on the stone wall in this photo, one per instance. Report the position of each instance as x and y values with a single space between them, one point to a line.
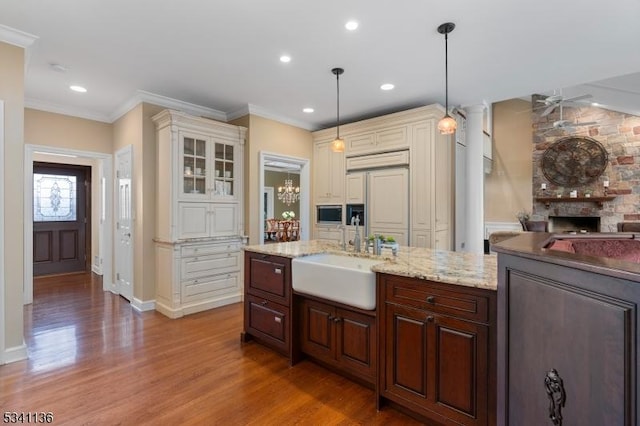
619 133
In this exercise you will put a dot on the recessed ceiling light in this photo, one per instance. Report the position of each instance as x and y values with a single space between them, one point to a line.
351 25
78 89
308 110
595 104
285 58
387 86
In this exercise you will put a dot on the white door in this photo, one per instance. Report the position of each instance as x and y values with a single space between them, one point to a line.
124 224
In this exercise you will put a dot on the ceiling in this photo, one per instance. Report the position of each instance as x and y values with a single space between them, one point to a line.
224 55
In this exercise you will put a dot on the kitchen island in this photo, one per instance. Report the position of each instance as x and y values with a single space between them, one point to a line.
428 347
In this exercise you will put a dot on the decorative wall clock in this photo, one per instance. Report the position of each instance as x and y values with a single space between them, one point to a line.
574 161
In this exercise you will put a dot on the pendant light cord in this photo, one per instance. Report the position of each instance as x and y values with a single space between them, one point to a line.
446 73
338 104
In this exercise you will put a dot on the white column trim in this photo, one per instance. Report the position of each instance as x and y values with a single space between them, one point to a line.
475 179
105 228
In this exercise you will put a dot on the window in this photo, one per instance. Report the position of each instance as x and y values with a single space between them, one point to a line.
54 198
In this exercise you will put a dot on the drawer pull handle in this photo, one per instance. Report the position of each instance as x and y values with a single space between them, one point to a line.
429 318
277 271
431 299
330 317
264 302
277 319
337 319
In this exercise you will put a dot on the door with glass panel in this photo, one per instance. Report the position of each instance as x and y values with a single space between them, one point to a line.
60 223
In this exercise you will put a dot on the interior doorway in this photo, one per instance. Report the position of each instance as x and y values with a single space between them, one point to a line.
61 218
284 163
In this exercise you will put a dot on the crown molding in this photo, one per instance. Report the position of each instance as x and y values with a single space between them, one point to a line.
170 103
65 110
16 37
261 112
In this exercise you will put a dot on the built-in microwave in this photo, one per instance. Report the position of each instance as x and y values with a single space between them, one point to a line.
329 214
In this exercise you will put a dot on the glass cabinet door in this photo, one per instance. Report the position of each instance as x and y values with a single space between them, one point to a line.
223 170
194 160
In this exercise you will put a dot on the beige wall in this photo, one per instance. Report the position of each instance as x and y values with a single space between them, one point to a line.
274 137
12 93
508 187
63 131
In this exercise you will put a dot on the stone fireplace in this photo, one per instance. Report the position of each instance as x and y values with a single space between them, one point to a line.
619 134
559 224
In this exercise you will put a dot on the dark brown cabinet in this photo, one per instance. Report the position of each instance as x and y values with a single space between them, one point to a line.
568 342
436 354
267 305
340 337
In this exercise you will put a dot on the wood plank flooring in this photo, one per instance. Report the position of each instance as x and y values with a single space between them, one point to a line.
94 360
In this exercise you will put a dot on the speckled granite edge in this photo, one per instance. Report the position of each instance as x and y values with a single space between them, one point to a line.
467 269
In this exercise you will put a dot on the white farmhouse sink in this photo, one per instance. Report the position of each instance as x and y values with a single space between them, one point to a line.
343 279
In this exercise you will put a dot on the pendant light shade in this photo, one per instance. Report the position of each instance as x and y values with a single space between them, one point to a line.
338 143
447 125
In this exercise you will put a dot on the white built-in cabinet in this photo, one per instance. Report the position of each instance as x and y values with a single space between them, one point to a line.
421 215
199 213
328 174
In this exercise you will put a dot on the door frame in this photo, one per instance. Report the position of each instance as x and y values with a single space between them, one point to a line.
2 269
103 202
305 191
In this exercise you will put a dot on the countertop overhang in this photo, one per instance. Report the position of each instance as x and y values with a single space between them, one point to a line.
467 269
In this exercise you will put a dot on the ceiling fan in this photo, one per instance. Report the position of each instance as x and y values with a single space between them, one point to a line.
550 103
567 124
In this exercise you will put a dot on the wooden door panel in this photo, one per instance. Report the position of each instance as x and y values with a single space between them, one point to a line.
318 334
68 248
406 340
42 246
357 337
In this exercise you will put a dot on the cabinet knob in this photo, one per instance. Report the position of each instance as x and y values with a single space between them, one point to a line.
337 319
431 299
195 259
330 317
264 302
277 271
429 318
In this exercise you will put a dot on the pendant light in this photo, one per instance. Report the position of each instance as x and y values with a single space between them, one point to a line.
447 125
338 143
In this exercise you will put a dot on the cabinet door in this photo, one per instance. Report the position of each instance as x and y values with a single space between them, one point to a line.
321 170
336 176
224 171
360 143
458 365
389 199
356 342
317 336
355 188
224 219
395 138
193 220
421 177
192 166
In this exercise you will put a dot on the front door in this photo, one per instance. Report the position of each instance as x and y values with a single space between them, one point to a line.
124 208
60 223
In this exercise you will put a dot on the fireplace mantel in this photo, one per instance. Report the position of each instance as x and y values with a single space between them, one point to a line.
597 200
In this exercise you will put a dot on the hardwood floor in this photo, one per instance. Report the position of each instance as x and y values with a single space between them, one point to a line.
94 360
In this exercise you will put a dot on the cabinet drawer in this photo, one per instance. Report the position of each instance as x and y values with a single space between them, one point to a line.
268 321
209 287
269 277
202 266
202 250
434 297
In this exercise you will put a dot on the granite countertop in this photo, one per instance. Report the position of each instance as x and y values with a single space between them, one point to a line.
467 269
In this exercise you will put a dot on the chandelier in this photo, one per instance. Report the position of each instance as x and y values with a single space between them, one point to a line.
288 193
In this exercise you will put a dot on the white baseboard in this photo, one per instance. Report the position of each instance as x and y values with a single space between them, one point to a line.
143 306
96 269
16 353
490 227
